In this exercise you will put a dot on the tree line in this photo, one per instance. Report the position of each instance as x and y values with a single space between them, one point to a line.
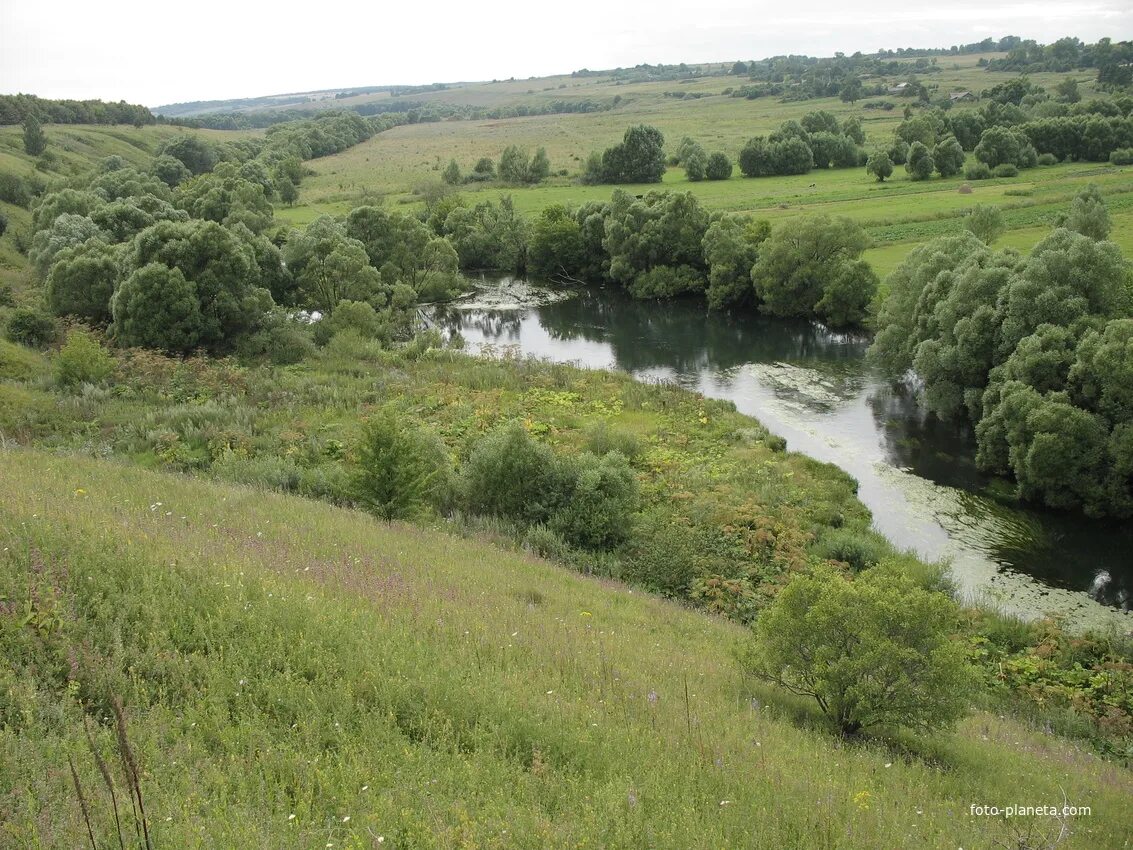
16 108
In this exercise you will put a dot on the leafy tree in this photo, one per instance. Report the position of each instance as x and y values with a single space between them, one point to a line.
489 236
846 297
67 231
879 165
852 129
695 163
287 191
511 475
1000 145
986 222
170 170
919 163
1088 214
225 197
51 206
802 260
451 173
756 158
898 151
1067 279
3 224
539 169
661 229
1068 91
156 307
948 157
851 91
875 651
513 165
485 168
739 69
1101 377
81 281
820 122
719 167
967 126
731 247
35 140
194 153
329 266
792 156
556 248
405 250
397 468
638 158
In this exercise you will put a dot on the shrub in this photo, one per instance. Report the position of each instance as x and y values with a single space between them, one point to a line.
511 475
14 190
82 360
601 439
1047 159
719 167
977 171
859 550
398 468
542 541
1006 169
32 328
1120 156
875 651
597 513
986 222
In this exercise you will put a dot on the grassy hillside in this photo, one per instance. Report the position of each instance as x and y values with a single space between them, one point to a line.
297 675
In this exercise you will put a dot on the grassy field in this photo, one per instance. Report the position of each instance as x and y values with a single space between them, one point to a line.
297 675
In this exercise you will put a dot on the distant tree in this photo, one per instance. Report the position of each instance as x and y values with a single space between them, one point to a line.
719 167
485 167
948 157
3 224
756 158
852 129
396 469
687 145
288 192
898 151
879 165
31 327
695 163
999 145
919 163
851 91
638 158
556 248
875 651
663 229
170 170
986 222
1068 91
1088 214
194 153
156 307
451 173
66 231
792 156
739 69
820 122
513 165
35 140
539 169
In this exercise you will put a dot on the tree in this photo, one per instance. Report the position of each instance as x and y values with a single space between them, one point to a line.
451 173
756 159
820 122
948 157
1088 214
1068 91
287 190
81 281
638 158
69 230
999 145
484 168
663 229
513 165
602 497
986 222
802 260
919 163
194 153
792 156
719 167
852 130
35 140
846 297
556 248
539 168
156 307
731 247
879 165
396 469
695 163
329 267
82 360
511 475
170 170
851 92
875 651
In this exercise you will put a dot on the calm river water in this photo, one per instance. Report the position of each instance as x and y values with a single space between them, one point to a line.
811 386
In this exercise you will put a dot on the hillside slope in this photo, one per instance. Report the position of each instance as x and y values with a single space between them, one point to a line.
298 675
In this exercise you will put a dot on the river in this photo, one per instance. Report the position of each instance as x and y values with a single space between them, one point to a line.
811 386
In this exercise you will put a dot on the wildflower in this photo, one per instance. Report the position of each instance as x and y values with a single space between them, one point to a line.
291 817
652 697
80 492
862 799
346 819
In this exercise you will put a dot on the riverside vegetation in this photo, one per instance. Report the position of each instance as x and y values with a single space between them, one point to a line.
167 319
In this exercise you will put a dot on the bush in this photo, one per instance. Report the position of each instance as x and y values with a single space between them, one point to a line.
512 476
1006 169
1047 159
399 470
859 550
18 363
601 439
977 171
1121 156
597 513
719 167
875 651
82 360
14 190
32 328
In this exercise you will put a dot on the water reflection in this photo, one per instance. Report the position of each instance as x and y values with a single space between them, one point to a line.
915 472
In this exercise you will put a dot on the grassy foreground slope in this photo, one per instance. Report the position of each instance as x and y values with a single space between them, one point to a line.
393 686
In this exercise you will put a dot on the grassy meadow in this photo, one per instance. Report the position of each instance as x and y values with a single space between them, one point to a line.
299 675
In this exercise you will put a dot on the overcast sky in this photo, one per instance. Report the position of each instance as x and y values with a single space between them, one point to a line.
156 53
